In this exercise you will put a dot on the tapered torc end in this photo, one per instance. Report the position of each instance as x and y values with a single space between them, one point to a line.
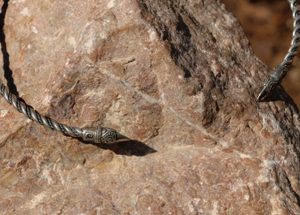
102 135
267 90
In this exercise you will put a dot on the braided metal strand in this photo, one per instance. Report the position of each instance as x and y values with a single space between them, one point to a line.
96 135
281 70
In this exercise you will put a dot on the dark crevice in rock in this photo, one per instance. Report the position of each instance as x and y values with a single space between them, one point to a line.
285 186
212 109
180 31
176 35
183 28
292 136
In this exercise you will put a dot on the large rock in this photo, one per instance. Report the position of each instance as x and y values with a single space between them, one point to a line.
176 75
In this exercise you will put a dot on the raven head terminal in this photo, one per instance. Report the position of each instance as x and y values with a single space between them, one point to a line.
102 135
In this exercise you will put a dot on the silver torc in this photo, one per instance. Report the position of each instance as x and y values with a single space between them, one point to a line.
107 135
281 70
94 135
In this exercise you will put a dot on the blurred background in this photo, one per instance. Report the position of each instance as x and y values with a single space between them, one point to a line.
269 25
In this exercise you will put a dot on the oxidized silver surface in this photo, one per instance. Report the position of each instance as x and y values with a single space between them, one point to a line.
101 135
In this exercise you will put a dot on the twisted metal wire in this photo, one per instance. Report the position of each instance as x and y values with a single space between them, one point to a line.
281 70
32 114
95 135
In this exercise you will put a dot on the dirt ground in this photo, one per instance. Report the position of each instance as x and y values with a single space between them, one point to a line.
268 25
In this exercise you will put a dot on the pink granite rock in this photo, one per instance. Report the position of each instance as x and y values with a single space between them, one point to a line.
177 76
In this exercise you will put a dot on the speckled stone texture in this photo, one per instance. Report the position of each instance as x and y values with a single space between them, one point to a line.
179 77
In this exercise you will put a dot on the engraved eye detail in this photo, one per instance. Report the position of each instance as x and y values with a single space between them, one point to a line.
89 136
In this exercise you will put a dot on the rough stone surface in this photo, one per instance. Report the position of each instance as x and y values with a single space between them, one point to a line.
176 75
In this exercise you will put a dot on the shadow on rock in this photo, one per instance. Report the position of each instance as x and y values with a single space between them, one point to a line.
279 94
129 148
6 64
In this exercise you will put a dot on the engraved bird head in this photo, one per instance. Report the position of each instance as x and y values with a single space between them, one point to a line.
102 135
109 135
